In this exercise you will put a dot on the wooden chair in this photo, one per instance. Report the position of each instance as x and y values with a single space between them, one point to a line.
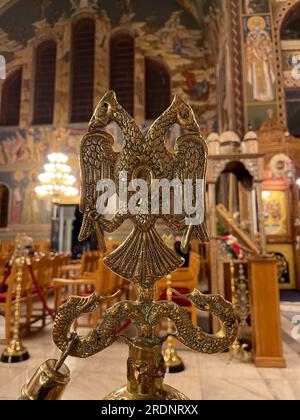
58 261
6 251
88 270
195 266
3 261
184 280
103 281
85 278
88 263
42 246
42 269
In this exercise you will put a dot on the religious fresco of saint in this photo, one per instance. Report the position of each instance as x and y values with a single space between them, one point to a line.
291 68
22 156
14 148
285 264
258 114
25 206
25 148
275 213
261 76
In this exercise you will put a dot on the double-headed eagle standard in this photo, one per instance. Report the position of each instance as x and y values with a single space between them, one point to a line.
143 258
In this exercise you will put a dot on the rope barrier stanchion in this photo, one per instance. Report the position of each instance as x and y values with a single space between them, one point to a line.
15 352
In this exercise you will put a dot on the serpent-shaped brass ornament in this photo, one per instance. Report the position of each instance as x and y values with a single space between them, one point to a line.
143 258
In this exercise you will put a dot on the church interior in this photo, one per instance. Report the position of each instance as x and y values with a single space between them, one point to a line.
197 89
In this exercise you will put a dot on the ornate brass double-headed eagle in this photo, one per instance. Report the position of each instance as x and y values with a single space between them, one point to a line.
143 258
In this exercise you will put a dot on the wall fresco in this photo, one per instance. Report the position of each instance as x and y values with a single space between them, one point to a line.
22 156
184 34
26 148
171 31
259 59
259 62
291 68
25 207
252 7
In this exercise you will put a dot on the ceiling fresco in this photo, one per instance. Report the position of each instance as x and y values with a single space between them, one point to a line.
17 22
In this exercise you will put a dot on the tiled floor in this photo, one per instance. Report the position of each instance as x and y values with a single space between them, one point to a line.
205 377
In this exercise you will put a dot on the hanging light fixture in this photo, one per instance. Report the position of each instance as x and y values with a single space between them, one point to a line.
57 181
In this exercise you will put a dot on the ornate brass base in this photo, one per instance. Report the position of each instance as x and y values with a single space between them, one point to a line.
165 394
145 372
238 350
14 353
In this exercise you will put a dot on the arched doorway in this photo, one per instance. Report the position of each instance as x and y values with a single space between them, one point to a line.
235 190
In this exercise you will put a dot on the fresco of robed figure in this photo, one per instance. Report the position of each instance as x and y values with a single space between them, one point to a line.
259 60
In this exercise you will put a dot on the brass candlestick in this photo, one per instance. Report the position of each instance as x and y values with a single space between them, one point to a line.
243 308
237 349
143 258
15 352
174 363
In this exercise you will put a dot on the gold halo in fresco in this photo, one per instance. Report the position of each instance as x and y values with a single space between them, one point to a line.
18 176
252 22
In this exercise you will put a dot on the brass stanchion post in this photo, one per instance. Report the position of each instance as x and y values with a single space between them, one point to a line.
15 352
174 363
237 349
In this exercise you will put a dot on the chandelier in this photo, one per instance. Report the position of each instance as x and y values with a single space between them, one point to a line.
57 181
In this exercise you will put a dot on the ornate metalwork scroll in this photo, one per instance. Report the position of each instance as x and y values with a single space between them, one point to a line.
143 258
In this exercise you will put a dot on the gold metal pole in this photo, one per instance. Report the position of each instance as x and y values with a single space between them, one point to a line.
174 363
15 351
237 349
232 283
